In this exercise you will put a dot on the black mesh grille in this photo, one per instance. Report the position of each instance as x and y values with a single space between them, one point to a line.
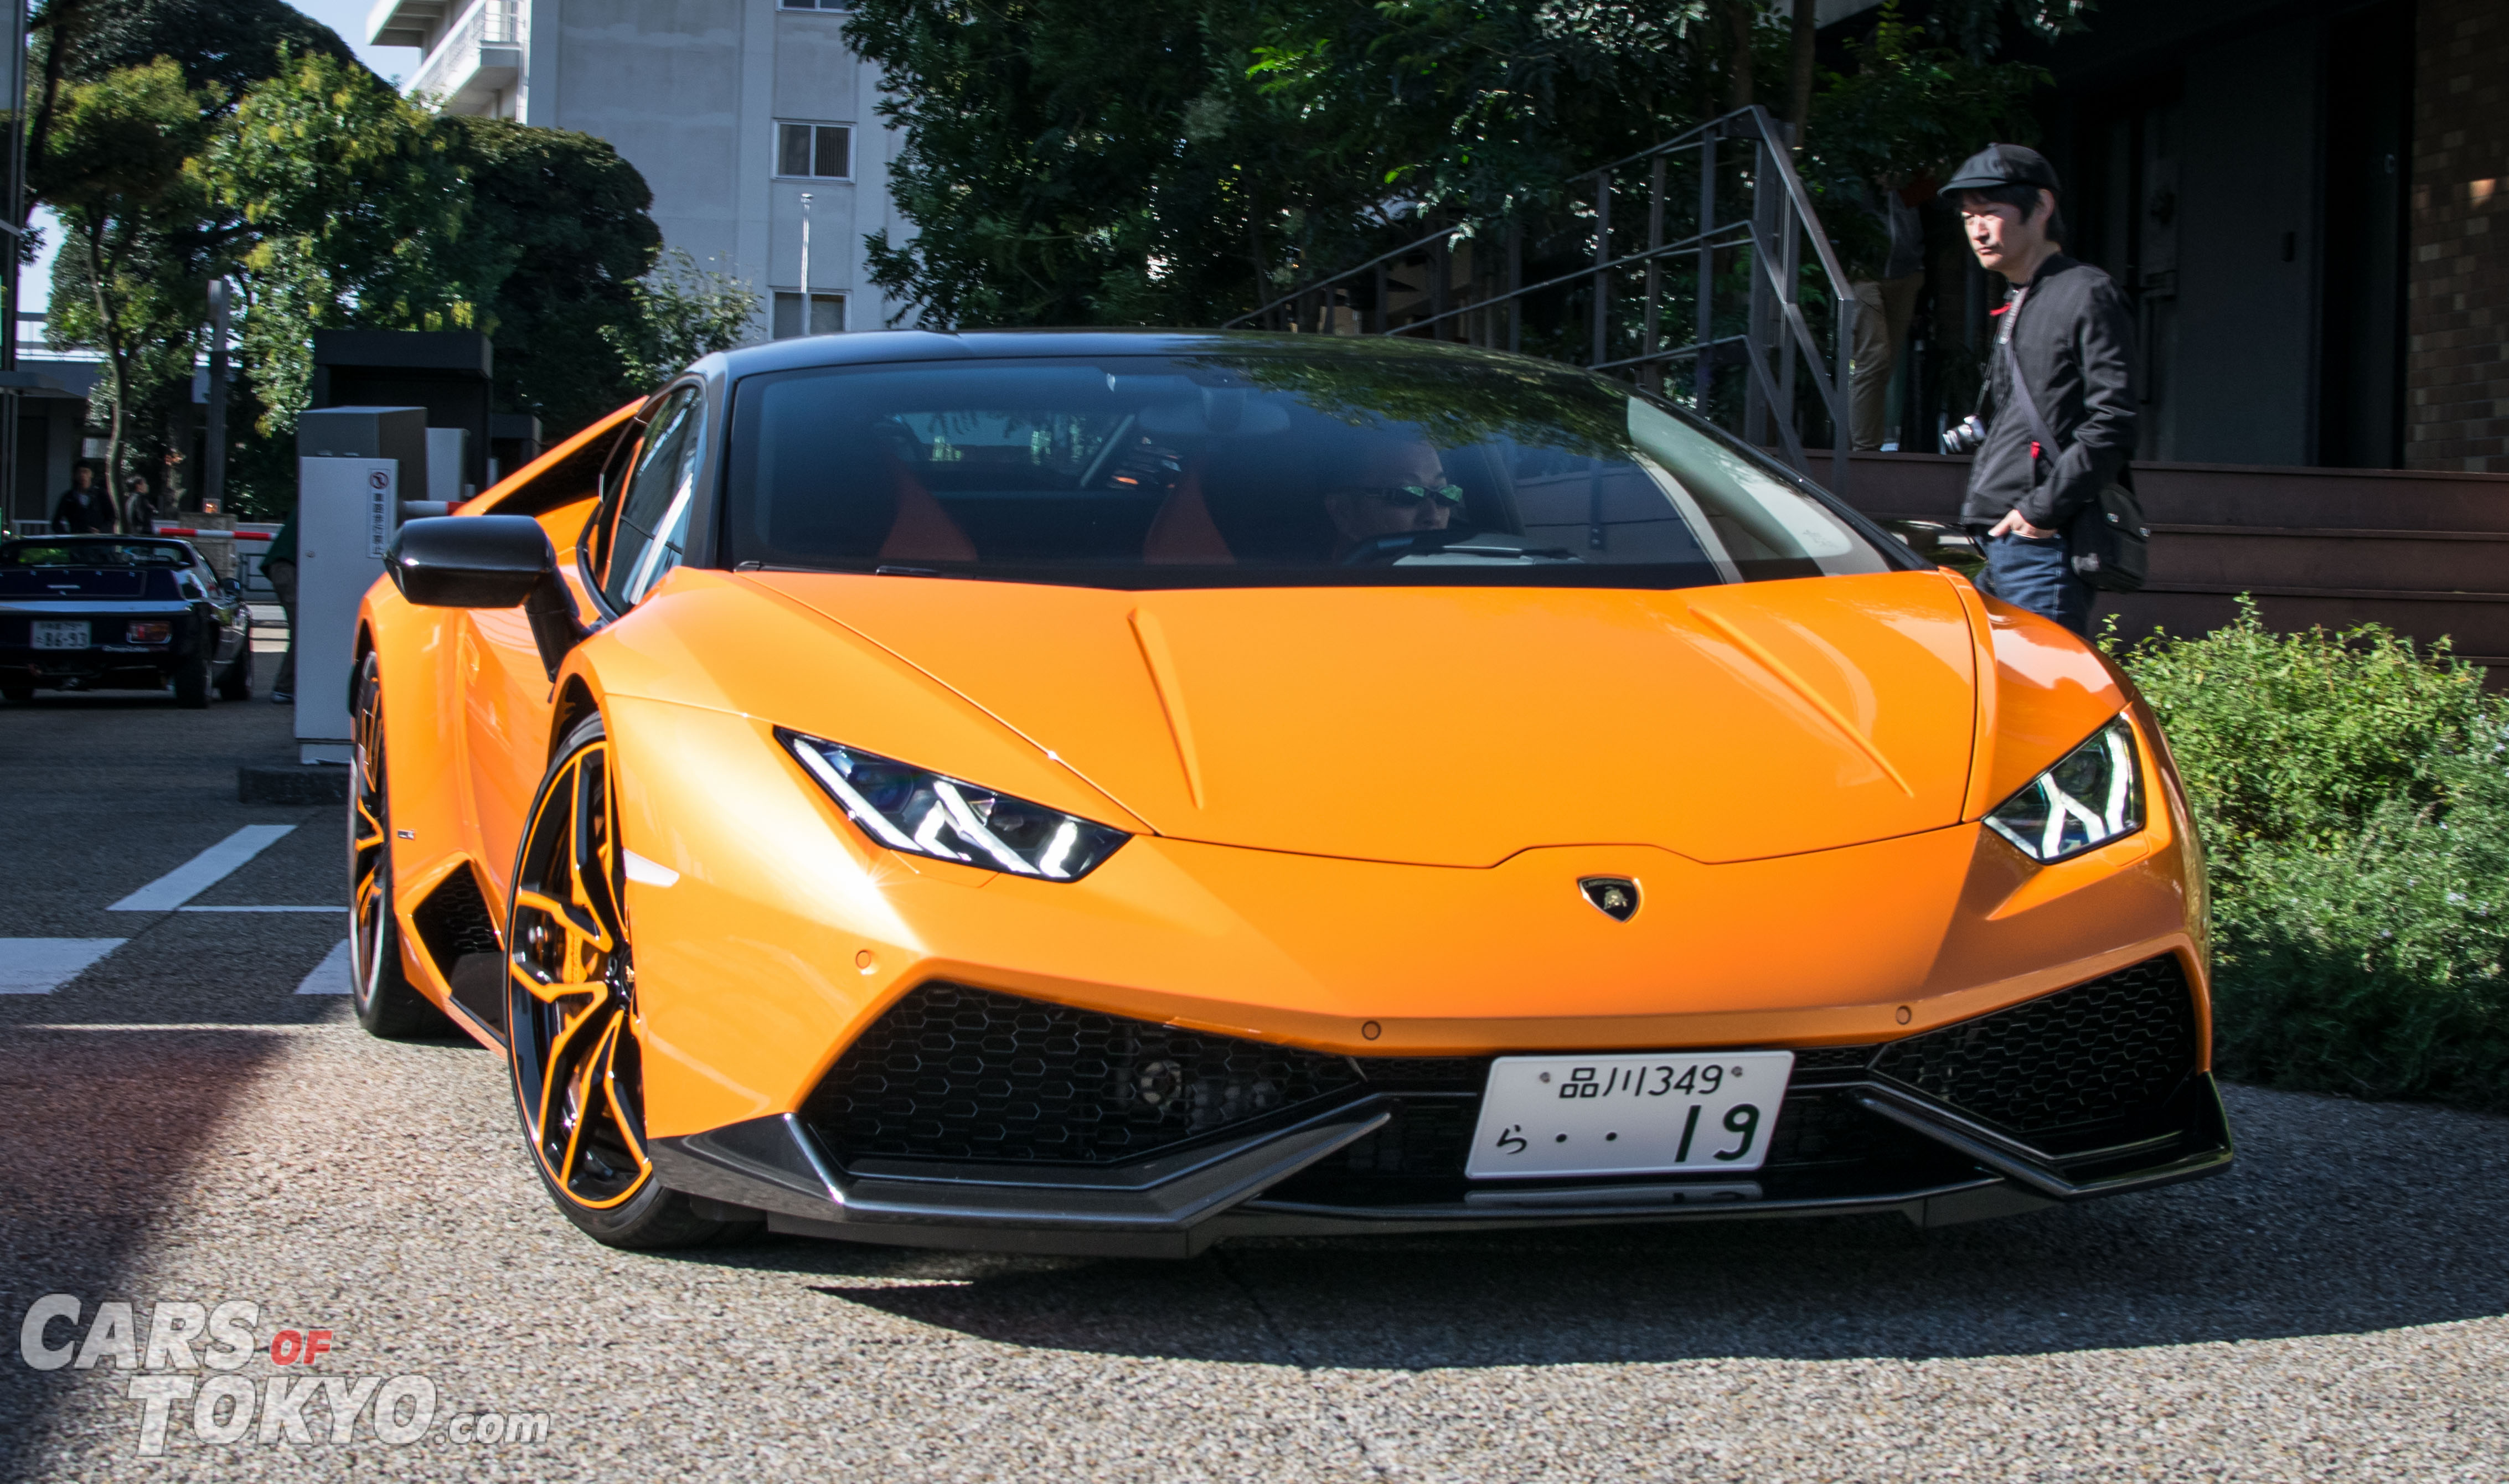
1832 1059
957 1073
2095 1053
1423 1074
1424 1141
454 920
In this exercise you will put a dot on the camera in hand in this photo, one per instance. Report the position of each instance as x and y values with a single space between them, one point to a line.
1964 439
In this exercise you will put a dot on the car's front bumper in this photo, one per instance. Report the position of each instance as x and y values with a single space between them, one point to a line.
925 1140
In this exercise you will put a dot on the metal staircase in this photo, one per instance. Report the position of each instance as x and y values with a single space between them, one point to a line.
1688 267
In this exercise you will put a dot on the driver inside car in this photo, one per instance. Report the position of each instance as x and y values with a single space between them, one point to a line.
1397 489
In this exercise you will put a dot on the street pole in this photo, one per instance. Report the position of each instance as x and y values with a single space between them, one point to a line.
806 263
13 199
214 458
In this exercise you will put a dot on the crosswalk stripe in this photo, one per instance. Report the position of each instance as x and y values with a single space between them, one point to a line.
202 872
331 975
42 965
334 909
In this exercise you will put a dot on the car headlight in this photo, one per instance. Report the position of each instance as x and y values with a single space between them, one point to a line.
921 813
2092 795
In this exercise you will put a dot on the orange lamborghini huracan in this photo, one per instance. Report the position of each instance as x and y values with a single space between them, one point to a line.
1109 792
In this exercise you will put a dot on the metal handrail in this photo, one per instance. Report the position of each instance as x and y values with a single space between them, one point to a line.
1774 332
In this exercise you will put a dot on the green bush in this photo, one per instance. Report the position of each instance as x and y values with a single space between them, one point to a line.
2353 795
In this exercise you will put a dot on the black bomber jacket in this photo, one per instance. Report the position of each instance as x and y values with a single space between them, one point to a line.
2072 336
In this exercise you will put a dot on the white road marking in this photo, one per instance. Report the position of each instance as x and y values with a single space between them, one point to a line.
202 872
42 965
261 908
331 975
651 872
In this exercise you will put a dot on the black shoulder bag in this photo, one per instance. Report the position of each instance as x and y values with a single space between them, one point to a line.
2108 539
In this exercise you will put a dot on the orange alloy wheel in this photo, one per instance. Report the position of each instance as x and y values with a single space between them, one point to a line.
386 1002
572 983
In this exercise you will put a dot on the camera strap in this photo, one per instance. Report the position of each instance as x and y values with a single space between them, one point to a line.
2029 405
2108 537
2047 440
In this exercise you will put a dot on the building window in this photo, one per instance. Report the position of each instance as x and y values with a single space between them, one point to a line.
815 151
816 5
827 316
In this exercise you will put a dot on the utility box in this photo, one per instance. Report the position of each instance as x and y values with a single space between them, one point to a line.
448 454
447 372
354 467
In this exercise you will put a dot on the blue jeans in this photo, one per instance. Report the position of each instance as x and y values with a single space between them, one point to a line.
2038 576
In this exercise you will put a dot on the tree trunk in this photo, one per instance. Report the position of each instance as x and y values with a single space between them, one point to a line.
1737 63
117 360
1799 106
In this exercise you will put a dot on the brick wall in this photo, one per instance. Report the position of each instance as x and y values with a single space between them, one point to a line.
2456 312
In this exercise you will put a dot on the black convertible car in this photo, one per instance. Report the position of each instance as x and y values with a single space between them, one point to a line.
82 612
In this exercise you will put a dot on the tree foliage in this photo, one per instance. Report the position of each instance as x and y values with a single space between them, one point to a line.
1181 161
683 312
562 220
182 142
2352 794
129 272
1176 160
355 212
232 44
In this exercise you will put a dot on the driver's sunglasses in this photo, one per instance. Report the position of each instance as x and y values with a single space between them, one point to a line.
1411 496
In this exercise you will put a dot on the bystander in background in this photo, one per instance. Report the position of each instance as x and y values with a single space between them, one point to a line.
279 565
81 508
139 507
2055 419
1883 306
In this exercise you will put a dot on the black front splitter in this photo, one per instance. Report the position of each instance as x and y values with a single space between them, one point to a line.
1177 1205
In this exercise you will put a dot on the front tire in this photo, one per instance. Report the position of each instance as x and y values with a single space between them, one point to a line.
576 1042
386 1002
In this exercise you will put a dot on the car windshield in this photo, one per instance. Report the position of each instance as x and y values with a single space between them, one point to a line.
1367 463
94 554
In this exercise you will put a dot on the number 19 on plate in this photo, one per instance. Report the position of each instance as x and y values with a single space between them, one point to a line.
1629 1114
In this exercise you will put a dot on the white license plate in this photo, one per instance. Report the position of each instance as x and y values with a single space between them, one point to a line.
1702 1112
61 633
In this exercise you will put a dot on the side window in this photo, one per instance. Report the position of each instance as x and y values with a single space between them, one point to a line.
652 520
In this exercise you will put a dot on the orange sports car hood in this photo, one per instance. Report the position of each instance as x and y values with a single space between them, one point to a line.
1456 726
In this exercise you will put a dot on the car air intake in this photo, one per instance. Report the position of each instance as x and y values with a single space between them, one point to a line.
2108 1050
954 1073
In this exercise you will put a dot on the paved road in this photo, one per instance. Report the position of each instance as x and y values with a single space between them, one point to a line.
179 1126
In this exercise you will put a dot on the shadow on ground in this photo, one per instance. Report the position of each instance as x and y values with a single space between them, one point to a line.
104 1129
2339 1218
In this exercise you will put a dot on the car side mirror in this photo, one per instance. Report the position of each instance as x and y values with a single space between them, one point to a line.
488 561
230 586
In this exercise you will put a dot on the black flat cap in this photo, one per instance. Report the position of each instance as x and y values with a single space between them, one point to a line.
2003 165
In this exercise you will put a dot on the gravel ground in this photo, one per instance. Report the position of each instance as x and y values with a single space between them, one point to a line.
181 1127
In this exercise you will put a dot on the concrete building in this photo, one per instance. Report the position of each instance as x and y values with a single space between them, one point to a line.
734 111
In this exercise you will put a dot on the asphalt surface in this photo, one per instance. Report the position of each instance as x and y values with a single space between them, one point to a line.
179 1125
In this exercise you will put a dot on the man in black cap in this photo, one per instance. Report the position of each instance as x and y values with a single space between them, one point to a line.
2058 413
